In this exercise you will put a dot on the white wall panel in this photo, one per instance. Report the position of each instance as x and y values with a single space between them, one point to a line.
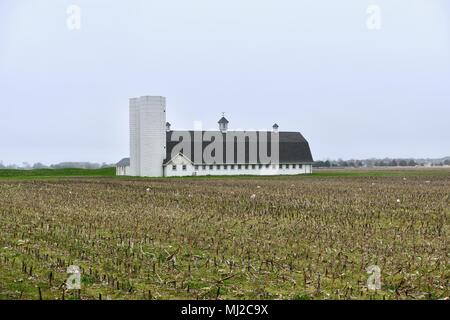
191 171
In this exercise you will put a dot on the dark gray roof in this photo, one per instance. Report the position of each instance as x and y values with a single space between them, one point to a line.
223 120
125 162
293 146
275 126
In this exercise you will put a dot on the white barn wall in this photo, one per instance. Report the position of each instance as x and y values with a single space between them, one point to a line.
179 161
190 170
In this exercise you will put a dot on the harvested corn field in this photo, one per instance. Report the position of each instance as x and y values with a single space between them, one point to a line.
226 238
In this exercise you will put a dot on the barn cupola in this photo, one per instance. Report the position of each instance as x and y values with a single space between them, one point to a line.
223 124
275 128
167 126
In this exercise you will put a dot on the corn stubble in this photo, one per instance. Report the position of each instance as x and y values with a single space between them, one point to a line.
277 238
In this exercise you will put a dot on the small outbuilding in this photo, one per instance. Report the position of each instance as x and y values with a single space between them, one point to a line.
123 167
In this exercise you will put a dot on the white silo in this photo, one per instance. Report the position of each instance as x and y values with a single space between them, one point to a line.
147 136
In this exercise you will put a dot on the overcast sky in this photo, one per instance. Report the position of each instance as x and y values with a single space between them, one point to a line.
311 66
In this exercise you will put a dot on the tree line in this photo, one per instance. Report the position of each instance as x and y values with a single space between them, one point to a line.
61 165
379 163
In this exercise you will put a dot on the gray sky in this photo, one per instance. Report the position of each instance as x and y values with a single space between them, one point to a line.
311 66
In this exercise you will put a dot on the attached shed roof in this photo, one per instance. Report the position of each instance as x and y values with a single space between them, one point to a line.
125 162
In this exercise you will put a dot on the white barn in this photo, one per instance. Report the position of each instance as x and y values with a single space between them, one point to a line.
157 151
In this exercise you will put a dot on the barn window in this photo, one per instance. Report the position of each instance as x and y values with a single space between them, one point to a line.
280 166
253 166
232 167
294 166
260 166
184 167
287 166
211 167
204 167
246 166
196 168
267 165
225 167
218 167
300 166
174 168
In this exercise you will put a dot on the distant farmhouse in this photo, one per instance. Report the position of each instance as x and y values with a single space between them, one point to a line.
158 151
